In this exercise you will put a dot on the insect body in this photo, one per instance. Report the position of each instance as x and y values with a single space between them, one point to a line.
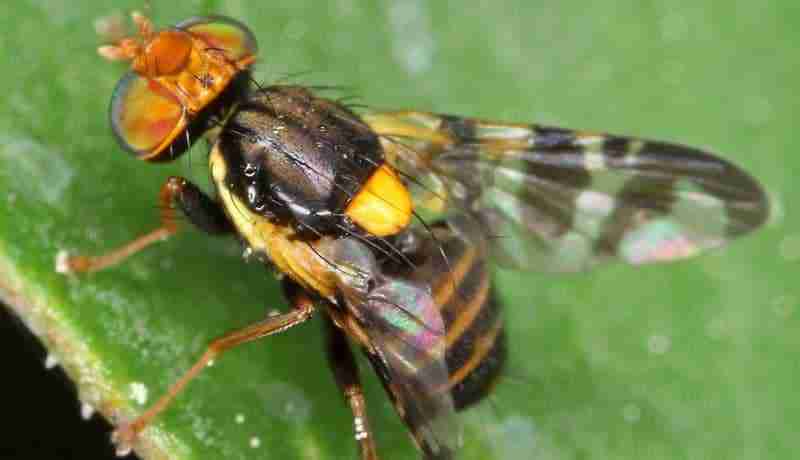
334 201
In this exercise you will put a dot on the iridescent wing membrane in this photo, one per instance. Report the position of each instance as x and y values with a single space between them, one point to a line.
542 198
403 319
406 343
558 200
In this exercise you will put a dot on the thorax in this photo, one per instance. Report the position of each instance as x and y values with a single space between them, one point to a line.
273 242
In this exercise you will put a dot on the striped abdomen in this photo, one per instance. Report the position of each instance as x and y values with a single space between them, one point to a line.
475 347
462 289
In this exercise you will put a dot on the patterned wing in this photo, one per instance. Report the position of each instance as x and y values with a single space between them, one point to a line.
560 200
406 344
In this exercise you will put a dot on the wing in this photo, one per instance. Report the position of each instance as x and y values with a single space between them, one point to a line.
561 200
406 344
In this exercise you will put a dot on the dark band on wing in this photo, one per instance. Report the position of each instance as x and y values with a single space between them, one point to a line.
563 200
639 199
657 168
553 139
745 201
461 129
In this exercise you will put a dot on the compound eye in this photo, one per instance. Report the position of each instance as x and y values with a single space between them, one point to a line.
145 117
223 34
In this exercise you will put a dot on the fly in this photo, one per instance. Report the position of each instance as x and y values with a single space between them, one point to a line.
389 223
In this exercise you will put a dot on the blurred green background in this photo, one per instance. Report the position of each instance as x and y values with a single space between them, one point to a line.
685 361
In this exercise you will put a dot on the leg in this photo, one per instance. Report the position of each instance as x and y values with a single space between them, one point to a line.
345 371
302 310
199 208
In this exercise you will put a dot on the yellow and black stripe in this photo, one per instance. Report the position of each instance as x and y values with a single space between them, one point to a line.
475 343
459 273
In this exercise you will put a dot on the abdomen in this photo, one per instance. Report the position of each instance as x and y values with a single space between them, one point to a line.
462 289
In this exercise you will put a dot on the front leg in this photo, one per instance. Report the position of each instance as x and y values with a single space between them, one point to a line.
201 210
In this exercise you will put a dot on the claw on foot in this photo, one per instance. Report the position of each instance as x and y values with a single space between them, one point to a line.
63 262
67 263
124 437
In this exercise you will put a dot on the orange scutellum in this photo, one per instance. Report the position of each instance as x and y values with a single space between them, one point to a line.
383 207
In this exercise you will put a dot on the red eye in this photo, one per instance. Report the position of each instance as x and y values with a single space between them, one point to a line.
144 116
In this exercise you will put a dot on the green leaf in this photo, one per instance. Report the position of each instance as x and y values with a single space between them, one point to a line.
690 360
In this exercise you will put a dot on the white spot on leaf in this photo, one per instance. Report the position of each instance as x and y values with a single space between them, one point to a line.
413 43
39 171
631 413
138 392
658 344
286 401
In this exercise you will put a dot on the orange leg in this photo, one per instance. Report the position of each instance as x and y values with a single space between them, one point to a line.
126 434
176 192
364 436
